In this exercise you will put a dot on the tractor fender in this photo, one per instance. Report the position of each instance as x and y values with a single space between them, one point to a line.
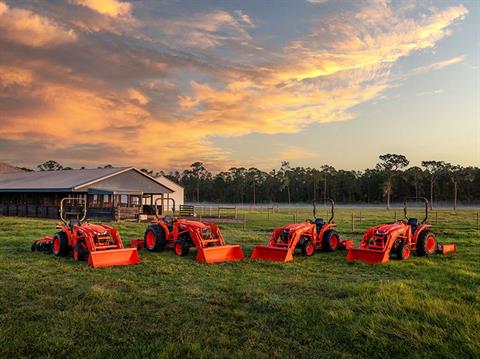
420 230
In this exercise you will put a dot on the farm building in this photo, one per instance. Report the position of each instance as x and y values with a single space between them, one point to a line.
111 193
177 195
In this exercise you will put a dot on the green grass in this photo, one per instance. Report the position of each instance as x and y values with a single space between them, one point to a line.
171 306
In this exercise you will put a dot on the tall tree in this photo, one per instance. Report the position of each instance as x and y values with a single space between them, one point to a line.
285 173
415 175
199 173
434 169
50 166
455 173
327 172
391 164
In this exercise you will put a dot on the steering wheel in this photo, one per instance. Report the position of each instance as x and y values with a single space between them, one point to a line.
168 219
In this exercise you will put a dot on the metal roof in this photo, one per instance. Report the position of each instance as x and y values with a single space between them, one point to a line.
60 181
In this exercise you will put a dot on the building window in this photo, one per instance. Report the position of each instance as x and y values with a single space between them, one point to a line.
135 200
124 199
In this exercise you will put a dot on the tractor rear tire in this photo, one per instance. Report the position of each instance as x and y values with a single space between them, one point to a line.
155 238
181 247
60 244
426 244
330 241
403 251
308 248
34 246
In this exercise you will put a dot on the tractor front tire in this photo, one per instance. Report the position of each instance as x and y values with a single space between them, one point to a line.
79 253
426 244
60 244
403 251
307 248
181 247
155 238
330 241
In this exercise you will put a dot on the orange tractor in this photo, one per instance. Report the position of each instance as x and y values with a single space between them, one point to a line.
182 234
307 236
98 244
399 238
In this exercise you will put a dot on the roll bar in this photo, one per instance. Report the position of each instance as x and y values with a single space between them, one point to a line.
80 201
405 202
333 210
163 199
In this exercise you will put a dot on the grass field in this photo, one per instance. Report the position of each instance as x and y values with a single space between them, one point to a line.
171 306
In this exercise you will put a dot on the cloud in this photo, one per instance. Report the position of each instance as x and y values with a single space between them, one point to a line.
156 92
26 28
426 93
111 8
438 65
293 153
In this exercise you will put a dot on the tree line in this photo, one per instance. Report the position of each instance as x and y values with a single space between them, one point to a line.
391 180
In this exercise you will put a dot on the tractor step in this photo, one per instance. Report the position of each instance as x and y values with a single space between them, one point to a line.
227 252
113 257
271 253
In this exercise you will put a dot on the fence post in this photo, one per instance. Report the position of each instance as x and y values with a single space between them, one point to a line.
218 212
236 212
395 216
244 220
478 220
360 217
353 223
294 218
436 217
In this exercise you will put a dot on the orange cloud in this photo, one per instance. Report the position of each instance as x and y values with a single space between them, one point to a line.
26 28
111 8
124 102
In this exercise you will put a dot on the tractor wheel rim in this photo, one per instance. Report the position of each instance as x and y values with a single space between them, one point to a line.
150 239
309 249
56 245
178 249
406 252
430 244
333 241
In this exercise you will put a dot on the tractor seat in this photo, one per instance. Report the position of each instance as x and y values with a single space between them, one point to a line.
413 222
319 223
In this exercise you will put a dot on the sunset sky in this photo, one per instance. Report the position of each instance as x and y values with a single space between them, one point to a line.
161 84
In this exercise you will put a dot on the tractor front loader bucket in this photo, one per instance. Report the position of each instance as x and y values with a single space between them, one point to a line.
223 253
113 257
369 256
447 248
271 253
